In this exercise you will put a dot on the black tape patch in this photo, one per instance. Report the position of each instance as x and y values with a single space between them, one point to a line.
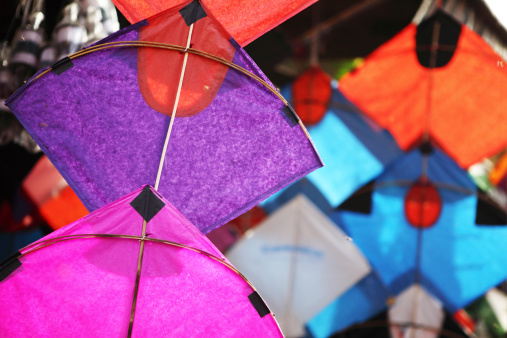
291 115
426 148
62 65
192 12
448 31
488 213
9 265
258 304
360 201
147 204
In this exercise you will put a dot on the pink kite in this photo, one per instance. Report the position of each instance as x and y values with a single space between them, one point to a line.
84 279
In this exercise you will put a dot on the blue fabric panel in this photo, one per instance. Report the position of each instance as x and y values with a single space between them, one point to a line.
358 304
353 150
385 238
459 260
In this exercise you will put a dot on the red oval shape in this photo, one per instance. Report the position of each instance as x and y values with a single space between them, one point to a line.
159 70
423 204
310 94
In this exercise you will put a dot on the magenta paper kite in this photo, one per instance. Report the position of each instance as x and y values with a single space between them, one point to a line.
102 116
80 280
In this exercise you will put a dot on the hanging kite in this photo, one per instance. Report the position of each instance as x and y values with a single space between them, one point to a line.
368 309
354 149
105 114
300 262
245 20
82 278
424 222
431 322
436 82
415 313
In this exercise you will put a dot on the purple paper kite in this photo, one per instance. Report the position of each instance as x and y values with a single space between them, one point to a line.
79 280
102 117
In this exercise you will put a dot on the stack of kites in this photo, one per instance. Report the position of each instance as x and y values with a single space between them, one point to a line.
209 132
167 130
432 240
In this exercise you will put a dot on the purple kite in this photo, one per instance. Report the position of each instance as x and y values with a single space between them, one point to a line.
82 279
104 117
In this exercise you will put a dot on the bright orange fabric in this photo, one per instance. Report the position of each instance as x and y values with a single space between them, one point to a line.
310 95
245 20
63 209
499 171
463 103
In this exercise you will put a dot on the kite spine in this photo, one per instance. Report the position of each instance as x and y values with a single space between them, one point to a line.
138 278
175 107
157 181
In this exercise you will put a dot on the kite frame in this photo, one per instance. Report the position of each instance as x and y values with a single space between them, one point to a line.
181 49
48 242
60 239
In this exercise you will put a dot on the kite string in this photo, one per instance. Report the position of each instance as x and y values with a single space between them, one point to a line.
433 60
314 47
175 107
164 150
424 164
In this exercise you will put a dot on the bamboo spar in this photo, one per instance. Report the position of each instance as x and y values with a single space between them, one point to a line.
157 182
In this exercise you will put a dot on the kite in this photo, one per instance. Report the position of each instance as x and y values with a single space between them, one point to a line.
82 278
245 20
299 261
377 314
415 313
354 149
424 222
104 117
435 82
